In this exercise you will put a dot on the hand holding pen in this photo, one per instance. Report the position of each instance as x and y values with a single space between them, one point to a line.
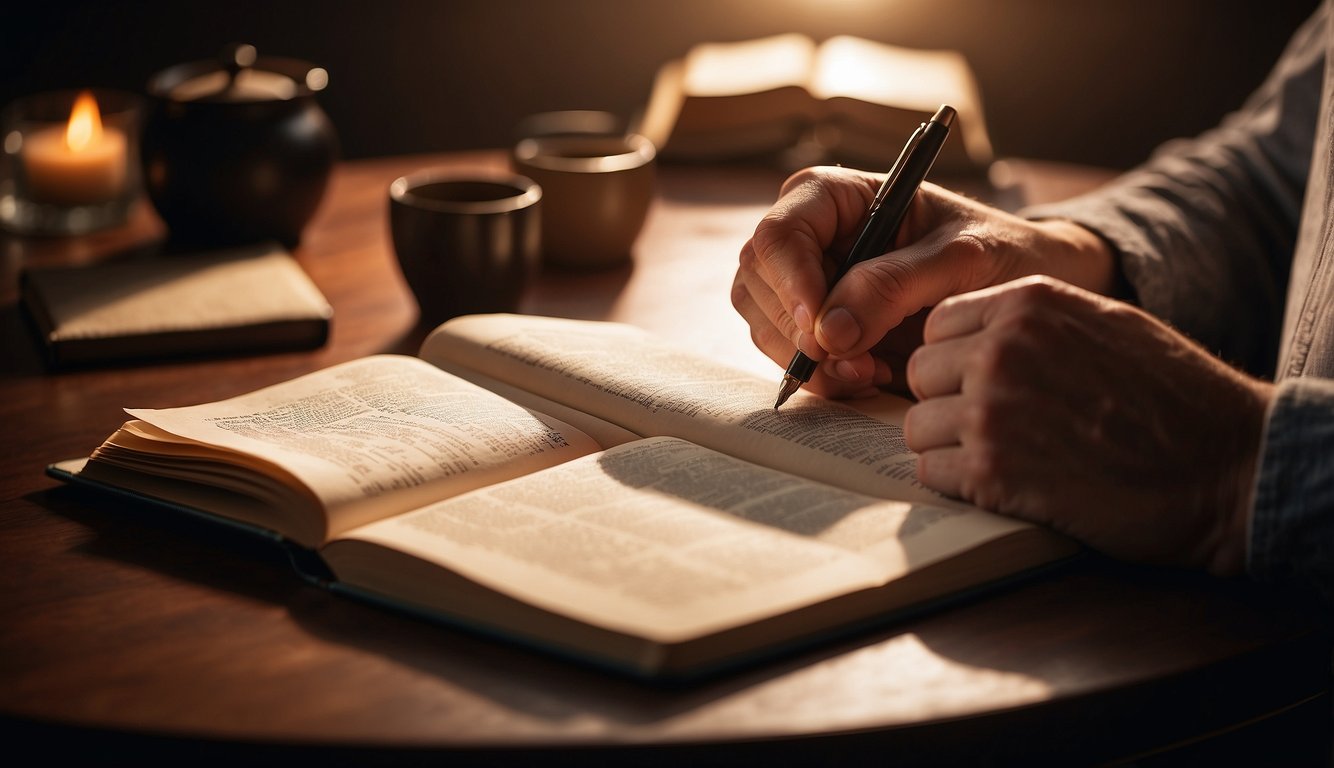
883 219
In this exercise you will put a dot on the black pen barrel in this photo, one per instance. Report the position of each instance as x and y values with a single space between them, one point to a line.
884 222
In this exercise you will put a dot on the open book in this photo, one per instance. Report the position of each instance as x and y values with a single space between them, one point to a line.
848 100
580 486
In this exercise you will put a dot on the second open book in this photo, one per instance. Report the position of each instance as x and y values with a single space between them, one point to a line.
847 99
581 486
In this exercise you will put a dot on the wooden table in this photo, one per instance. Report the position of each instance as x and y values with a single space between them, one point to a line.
122 632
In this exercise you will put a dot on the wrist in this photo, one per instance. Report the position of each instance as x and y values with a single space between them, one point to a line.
1077 255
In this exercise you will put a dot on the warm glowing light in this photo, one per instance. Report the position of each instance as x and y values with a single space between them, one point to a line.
752 66
85 124
81 162
885 74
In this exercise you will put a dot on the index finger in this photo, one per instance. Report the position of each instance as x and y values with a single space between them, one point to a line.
817 208
962 314
968 313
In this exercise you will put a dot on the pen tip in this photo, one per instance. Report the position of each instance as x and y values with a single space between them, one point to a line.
789 385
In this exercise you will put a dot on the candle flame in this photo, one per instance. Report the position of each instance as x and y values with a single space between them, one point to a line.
85 123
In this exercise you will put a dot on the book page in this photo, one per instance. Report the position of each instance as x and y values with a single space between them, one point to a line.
751 96
604 433
907 78
664 104
749 66
249 285
644 384
378 435
859 79
663 539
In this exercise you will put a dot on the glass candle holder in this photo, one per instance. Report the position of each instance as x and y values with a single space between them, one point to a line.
70 161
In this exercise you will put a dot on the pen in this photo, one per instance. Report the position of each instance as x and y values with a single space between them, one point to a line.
883 218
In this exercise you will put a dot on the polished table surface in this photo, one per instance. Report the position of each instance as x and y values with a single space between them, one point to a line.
122 629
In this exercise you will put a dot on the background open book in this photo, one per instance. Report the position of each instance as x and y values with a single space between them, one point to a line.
846 100
579 486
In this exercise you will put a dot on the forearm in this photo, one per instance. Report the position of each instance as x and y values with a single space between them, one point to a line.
1212 222
1191 236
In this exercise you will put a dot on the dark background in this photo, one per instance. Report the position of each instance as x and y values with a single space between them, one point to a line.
1093 81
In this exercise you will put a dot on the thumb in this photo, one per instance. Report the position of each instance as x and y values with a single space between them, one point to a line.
876 295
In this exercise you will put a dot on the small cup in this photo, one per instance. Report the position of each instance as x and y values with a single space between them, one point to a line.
568 122
466 243
596 193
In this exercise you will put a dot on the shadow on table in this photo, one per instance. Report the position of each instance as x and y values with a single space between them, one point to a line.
1087 658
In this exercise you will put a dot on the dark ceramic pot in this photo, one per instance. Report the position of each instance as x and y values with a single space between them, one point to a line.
237 150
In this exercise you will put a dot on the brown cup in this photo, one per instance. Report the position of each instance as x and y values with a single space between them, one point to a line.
596 193
568 122
466 243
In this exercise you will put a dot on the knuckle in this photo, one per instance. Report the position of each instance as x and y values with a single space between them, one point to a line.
740 295
776 233
990 358
910 427
977 420
770 232
970 247
1037 291
1026 324
912 370
746 260
925 474
887 281
939 314
808 175
1016 337
983 476
760 337
820 176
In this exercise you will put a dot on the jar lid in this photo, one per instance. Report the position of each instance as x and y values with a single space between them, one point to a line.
239 75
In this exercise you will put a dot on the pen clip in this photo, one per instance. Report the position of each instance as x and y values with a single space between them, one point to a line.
897 169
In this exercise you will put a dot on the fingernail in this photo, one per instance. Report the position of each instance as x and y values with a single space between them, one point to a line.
845 371
810 347
840 330
802 317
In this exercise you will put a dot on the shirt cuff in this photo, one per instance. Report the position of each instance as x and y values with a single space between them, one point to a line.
1292 517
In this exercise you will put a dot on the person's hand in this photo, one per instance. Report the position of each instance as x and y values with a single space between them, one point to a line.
1052 404
866 326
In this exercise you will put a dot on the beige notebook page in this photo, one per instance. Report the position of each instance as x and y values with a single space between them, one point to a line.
651 387
667 540
380 434
245 286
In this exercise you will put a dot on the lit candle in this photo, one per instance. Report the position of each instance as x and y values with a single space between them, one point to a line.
80 164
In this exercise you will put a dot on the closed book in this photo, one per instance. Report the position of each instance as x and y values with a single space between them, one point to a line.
240 300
